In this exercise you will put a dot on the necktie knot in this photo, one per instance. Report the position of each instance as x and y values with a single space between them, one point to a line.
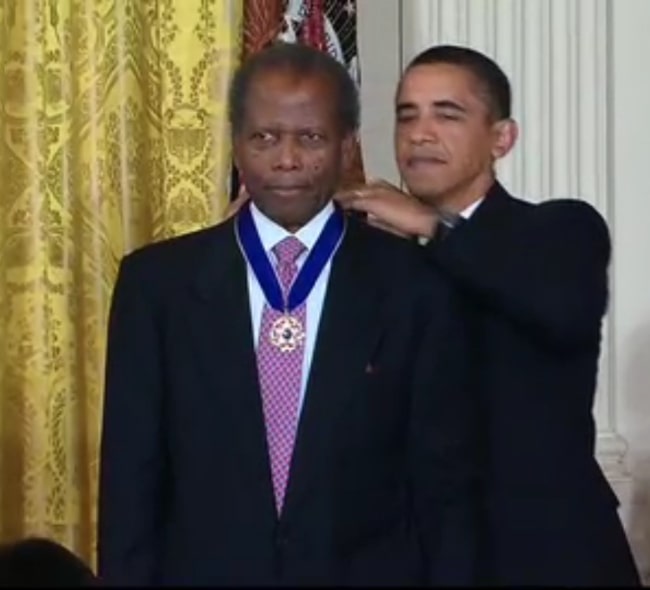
288 250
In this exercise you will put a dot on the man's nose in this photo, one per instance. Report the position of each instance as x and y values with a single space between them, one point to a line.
289 155
423 130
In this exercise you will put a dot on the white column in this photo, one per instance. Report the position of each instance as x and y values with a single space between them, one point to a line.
379 33
557 56
630 133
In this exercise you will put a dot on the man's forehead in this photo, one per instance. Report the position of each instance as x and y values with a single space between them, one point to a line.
424 85
289 77
289 94
290 89
437 77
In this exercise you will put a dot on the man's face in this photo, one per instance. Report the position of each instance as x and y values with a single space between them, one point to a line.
446 142
291 148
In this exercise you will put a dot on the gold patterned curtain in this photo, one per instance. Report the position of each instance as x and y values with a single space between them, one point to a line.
113 134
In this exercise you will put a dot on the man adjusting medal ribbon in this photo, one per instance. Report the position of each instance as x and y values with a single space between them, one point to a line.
287 332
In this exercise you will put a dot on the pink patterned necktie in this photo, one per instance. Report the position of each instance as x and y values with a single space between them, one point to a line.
280 374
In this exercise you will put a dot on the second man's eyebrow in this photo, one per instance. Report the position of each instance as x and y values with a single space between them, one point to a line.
438 104
405 106
449 105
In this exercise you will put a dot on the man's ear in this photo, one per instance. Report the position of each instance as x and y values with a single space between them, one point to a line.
235 152
350 143
506 132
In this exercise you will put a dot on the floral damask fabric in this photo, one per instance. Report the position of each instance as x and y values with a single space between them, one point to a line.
113 133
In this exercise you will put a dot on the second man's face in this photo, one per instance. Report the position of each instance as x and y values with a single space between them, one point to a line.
445 139
291 148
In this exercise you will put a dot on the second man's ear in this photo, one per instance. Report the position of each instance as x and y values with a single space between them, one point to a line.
506 132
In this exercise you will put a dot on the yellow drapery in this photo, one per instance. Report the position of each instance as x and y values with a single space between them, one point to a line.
112 134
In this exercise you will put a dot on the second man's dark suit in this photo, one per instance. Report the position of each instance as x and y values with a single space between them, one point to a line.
381 486
534 278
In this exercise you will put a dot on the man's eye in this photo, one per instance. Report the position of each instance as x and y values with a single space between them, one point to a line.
313 137
449 117
405 118
262 136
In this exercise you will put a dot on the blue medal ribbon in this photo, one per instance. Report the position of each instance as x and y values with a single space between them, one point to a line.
318 257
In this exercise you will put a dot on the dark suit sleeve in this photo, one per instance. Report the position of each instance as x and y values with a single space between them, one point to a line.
131 458
444 461
545 269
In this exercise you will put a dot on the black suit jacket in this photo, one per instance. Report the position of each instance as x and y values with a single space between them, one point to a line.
535 279
382 479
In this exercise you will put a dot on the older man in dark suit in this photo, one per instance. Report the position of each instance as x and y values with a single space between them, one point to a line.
273 413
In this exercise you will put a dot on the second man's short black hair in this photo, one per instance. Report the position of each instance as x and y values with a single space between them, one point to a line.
490 76
298 59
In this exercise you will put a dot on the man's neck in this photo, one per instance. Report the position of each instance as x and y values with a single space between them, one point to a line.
271 230
291 226
464 197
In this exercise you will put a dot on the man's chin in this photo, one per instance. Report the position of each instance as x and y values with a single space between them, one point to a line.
424 193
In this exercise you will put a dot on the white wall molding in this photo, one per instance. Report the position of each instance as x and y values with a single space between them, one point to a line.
379 37
612 450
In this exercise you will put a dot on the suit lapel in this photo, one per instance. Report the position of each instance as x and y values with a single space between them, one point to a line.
220 322
349 332
490 211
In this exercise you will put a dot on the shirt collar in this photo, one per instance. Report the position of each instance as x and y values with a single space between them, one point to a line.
469 211
271 233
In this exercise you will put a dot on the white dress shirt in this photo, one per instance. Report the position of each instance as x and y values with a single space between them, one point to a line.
469 211
270 234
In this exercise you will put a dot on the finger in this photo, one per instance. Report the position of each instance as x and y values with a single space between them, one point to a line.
236 205
243 193
363 205
230 211
348 198
382 183
344 196
376 222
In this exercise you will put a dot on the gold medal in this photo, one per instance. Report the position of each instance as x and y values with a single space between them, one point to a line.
287 333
